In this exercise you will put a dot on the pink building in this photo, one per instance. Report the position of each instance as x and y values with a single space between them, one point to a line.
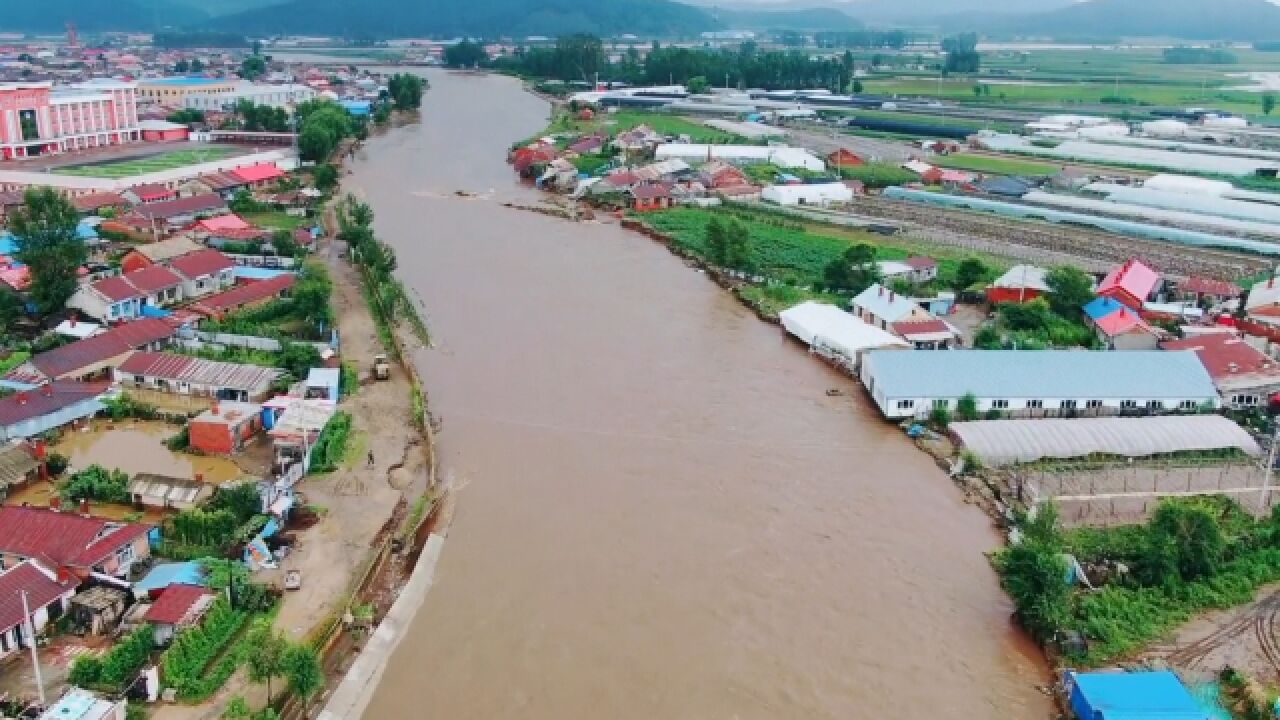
39 118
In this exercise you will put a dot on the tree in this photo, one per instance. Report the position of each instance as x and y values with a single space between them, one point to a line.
11 310
267 660
697 85
1035 575
969 272
857 86
967 407
44 233
316 144
325 177
186 116
1185 543
1070 289
197 65
1268 103
253 67
962 53
238 708
988 338
738 248
406 90
717 237
302 669
465 54
182 66
854 271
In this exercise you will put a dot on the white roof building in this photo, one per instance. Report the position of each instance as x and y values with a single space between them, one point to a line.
816 194
882 307
783 156
1023 277
834 333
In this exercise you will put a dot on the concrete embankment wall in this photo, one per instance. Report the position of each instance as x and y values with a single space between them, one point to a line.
353 694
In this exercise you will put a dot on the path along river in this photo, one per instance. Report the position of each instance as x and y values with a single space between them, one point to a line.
662 513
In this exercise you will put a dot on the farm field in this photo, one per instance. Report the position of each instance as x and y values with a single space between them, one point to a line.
624 120
995 165
150 164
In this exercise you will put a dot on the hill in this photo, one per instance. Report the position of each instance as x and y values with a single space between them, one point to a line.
1188 19
458 18
799 19
95 15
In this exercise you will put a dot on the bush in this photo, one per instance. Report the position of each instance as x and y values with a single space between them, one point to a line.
331 447
57 463
183 665
96 483
940 416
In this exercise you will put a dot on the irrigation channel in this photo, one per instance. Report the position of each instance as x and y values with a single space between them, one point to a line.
660 510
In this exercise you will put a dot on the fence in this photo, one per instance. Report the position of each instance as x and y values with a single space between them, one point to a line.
1124 493
262 261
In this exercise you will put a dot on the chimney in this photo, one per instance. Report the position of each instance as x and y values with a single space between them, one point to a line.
215 408
55 502
84 507
23 398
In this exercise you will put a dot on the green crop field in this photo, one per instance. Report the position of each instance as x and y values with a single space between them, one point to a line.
149 164
614 123
995 165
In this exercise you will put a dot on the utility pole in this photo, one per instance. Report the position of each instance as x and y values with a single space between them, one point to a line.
31 638
1264 499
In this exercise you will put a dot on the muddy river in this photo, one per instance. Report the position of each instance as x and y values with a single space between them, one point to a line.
662 513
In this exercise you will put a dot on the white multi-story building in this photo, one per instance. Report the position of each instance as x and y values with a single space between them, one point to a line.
273 95
39 118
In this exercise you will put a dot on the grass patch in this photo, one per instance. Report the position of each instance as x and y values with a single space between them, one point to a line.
140 166
565 123
274 220
15 359
357 449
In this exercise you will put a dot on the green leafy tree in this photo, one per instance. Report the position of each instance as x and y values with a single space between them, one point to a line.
182 66
197 65
186 116
465 54
267 660
1185 543
11 310
238 708
857 87
738 248
284 244
717 237
969 272
302 670
406 90
967 407
1070 290
325 176
1268 103
253 67
697 85
854 271
988 338
1035 575
962 53
45 240
311 295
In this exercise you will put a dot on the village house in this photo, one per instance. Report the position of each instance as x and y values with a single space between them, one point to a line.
186 375
1245 376
55 404
204 272
844 158
178 607
94 203
647 198
1041 383
932 334
157 253
248 295
19 466
1206 290
883 307
1020 283
820 194
93 358
916 270
76 541
148 194
169 215
1118 326
170 493
224 184
79 704
1131 284
46 593
294 424
225 428
123 297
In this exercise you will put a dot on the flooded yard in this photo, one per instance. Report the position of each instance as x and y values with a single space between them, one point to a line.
136 446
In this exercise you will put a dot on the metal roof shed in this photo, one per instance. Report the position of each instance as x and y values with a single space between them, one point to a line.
1009 442
1131 696
827 326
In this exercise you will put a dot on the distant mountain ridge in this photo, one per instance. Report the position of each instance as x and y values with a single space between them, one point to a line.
1187 19
804 19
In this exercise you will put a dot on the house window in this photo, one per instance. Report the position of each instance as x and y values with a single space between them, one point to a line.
1244 400
1035 404
1128 404
1092 404
942 403
1155 404
1188 405
906 404
999 404
1067 405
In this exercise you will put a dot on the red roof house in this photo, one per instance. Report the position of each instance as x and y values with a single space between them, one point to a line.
93 202
928 334
258 175
1131 284
92 355
1201 287
179 606
1125 329
204 271
1244 375
43 589
844 158
222 223
242 296
54 404
650 197
75 541
151 193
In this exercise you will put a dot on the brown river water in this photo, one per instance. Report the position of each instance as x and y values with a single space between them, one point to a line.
661 514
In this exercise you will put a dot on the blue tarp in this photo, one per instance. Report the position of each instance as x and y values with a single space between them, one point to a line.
6 244
162 576
357 107
152 311
1131 696
1099 308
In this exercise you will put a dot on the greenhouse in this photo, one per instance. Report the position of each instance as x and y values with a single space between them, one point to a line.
1121 227
1136 212
835 333
1200 204
1194 147
1009 442
1132 156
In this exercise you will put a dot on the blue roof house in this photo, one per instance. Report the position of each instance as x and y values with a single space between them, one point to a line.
1100 307
1130 696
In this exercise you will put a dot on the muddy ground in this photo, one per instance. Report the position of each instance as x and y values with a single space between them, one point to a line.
1242 637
